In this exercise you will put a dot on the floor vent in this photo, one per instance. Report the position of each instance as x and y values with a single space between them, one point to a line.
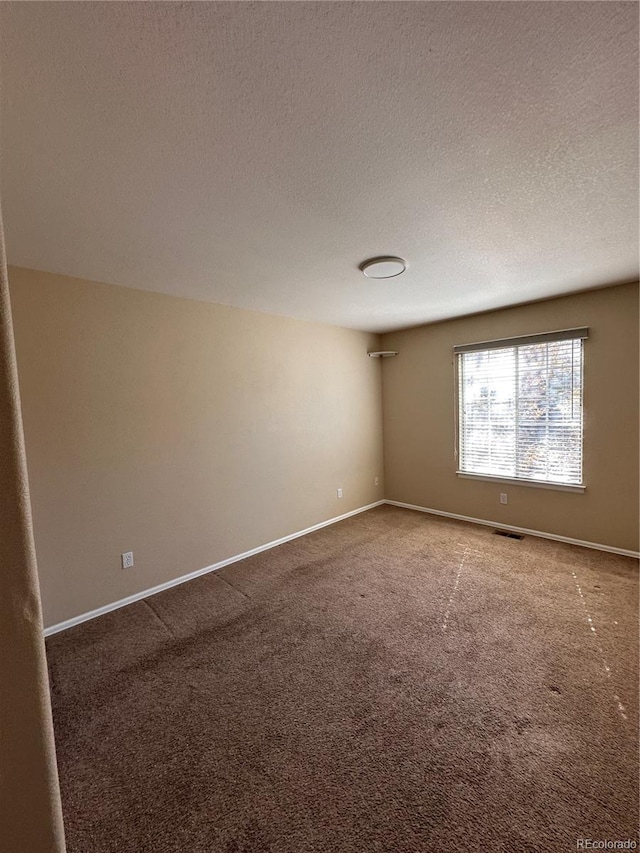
508 534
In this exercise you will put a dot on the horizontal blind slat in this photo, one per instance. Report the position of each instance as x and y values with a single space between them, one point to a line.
520 410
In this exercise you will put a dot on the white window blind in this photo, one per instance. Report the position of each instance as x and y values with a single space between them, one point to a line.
520 407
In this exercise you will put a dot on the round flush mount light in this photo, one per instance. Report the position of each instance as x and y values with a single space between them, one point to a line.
384 267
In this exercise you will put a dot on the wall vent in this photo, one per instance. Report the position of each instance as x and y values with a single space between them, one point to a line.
508 534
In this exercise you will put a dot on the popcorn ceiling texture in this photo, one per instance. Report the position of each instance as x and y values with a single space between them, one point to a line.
254 154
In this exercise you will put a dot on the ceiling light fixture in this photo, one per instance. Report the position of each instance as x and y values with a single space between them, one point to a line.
384 267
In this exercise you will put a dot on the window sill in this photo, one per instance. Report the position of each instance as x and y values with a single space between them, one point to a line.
513 481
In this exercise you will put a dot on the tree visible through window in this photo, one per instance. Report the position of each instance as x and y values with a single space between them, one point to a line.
520 408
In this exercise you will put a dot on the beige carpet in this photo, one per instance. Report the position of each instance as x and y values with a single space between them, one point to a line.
396 682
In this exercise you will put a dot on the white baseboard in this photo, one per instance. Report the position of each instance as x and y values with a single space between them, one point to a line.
145 593
107 608
526 530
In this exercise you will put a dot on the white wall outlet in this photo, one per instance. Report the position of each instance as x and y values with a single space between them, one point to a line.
127 560
503 498
339 493
376 481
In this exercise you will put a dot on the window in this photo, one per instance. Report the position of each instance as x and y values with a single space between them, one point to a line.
520 408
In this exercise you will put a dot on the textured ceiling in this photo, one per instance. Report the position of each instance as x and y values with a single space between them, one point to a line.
254 154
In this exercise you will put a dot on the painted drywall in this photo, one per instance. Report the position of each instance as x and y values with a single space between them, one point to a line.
30 807
183 431
419 406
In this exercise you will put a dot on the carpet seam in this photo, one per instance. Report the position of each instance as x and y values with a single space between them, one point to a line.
222 578
159 618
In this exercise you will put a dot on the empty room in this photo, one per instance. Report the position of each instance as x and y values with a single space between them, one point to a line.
320 427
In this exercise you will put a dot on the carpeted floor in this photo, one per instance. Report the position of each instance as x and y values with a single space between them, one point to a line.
396 682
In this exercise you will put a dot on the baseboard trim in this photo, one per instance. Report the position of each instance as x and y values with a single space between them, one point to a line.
594 545
145 593
138 596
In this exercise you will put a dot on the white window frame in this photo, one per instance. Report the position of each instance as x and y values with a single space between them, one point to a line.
523 340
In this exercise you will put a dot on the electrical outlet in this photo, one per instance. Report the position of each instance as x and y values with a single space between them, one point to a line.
376 481
503 498
339 493
127 560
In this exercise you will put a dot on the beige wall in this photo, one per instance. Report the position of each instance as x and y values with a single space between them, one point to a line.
418 396
30 807
183 431
188 432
